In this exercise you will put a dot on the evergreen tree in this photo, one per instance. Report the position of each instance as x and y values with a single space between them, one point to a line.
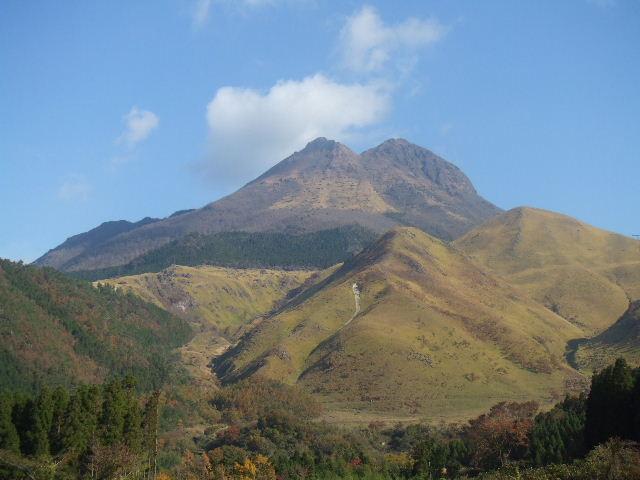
610 405
132 428
74 433
150 425
557 436
60 399
37 417
9 439
114 410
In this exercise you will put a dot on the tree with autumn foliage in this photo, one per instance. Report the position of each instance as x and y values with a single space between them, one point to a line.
501 435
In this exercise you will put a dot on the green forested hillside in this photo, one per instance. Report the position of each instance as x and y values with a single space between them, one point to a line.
57 330
319 249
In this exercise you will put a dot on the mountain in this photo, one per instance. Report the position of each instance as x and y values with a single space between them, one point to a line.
324 186
432 333
88 242
622 339
56 330
584 274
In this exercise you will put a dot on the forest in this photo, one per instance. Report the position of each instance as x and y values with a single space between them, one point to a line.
56 330
268 431
319 249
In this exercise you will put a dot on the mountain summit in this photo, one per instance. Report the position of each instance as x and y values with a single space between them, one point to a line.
323 186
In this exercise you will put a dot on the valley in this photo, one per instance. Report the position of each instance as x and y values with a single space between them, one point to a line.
362 290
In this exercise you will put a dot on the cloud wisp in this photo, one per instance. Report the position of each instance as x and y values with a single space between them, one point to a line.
138 126
201 11
252 130
74 187
368 44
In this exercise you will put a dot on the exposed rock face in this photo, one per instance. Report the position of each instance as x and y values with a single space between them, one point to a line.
322 186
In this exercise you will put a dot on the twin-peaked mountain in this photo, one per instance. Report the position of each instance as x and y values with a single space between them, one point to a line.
324 186
460 305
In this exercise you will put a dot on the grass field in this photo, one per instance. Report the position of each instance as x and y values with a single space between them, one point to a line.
585 274
436 337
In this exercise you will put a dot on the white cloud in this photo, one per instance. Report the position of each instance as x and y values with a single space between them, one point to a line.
138 126
74 187
367 44
201 12
251 130
202 8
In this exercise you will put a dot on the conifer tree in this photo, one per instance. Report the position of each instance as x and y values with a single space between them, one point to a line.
60 399
9 439
610 405
37 418
113 412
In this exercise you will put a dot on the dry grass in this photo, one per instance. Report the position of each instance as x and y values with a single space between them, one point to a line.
585 274
437 337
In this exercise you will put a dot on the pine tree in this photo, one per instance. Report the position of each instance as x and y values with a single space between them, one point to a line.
150 424
37 416
74 436
113 412
610 405
9 439
60 399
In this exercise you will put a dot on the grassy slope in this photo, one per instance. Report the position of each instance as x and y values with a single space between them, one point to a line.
218 302
585 274
223 298
622 339
435 336
57 330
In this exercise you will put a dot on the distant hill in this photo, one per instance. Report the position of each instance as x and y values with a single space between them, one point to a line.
314 250
324 186
219 303
56 330
225 299
434 334
622 339
584 274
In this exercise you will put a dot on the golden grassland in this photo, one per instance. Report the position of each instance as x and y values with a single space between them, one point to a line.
436 336
585 274
225 299
218 302
444 331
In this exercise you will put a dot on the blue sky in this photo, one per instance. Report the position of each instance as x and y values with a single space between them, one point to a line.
121 110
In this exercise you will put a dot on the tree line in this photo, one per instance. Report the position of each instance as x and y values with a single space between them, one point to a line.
265 430
93 431
319 249
590 436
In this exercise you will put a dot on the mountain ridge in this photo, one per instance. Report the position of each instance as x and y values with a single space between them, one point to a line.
325 185
585 274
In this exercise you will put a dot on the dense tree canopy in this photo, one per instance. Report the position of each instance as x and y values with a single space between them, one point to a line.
55 330
320 249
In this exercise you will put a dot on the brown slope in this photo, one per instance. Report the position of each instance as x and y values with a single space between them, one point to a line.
583 273
622 339
323 186
435 335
